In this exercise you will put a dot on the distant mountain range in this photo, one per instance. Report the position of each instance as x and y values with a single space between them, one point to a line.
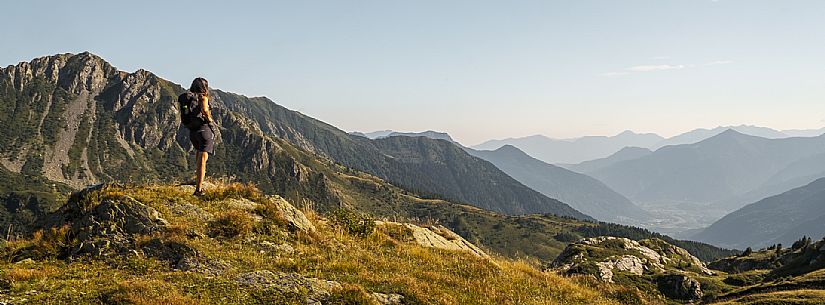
581 192
726 165
781 219
627 153
577 150
389 133
696 184
700 134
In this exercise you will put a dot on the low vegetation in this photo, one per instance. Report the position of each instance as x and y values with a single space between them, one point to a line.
206 245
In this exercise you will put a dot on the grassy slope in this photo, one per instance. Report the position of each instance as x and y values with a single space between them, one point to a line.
782 281
377 262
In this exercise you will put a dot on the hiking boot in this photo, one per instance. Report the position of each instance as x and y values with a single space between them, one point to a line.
199 193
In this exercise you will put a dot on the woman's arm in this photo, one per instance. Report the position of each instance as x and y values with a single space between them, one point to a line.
207 113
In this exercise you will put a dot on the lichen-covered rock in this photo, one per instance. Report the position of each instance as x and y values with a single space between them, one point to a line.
280 249
296 219
241 204
112 226
615 252
211 267
625 263
678 286
316 290
676 254
438 236
388 299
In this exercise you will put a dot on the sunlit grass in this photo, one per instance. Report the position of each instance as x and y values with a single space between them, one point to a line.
383 261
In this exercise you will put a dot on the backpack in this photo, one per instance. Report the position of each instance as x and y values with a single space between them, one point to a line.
190 110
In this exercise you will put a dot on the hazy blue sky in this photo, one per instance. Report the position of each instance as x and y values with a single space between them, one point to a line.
476 69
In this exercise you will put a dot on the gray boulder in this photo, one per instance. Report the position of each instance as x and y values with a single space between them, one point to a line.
679 286
112 226
296 219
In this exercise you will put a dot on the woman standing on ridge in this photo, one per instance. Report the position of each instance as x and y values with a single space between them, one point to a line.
196 116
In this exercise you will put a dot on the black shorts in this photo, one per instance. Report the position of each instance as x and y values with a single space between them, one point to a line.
203 139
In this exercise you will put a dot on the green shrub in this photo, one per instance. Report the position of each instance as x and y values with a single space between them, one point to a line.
352 222
567 237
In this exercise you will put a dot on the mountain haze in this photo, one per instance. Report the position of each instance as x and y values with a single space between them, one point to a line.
389 133
701 134
627 153
576 150
580 191
725 165
589 148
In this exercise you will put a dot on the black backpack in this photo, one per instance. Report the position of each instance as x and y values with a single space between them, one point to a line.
190 110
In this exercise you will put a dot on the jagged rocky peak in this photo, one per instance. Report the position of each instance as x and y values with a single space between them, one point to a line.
73 72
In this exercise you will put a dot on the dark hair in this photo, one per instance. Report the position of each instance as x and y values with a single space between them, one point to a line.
200 86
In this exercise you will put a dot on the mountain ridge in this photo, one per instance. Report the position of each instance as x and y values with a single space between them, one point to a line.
580 191
777 219
145 121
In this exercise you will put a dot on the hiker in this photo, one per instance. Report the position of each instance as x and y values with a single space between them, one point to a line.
196 116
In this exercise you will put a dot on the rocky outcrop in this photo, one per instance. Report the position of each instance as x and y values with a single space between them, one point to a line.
605 256
677 255
293 216
625 263
112 226
437 236
626 255
681 287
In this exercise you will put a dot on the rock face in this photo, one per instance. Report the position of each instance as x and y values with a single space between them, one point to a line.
681 287
438 236
296 219
317 290
113 224
625 263
80 121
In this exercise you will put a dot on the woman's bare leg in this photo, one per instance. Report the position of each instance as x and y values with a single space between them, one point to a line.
201 163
